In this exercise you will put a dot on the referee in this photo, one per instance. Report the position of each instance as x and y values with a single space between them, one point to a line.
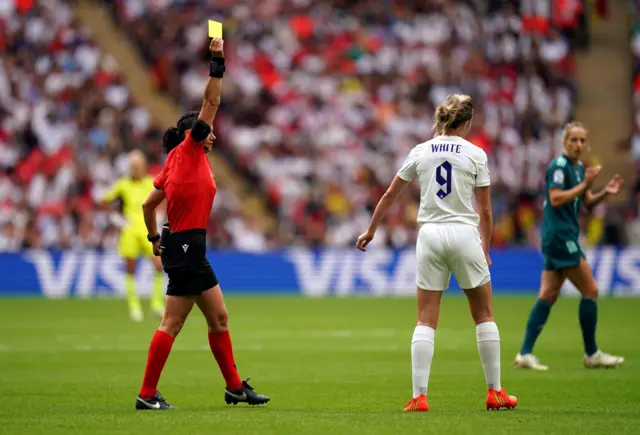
187 183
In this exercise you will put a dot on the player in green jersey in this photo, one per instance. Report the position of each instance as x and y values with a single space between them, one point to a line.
567 186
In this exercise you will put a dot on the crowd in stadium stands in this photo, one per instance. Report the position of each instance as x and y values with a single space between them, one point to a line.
324 99
634 227
67 121
321 103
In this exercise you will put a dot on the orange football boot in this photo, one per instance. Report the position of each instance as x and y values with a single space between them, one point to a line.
497 400
419 404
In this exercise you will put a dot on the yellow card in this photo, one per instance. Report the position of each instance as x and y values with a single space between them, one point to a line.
215 29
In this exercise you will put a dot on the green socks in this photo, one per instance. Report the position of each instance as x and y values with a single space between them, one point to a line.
588 315
537 319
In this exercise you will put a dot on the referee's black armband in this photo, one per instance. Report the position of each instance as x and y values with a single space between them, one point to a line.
216 67
200 130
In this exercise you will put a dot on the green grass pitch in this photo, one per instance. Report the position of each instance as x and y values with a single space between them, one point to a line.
331 366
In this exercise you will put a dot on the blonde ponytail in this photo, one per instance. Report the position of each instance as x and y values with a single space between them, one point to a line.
452 113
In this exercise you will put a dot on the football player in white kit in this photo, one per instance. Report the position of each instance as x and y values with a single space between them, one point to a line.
453 237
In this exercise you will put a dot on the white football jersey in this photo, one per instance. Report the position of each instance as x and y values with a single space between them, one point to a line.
449 168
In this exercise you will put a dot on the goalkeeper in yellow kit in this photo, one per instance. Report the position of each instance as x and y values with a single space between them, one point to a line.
132 244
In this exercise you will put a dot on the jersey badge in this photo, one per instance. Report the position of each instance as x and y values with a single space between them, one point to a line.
558 176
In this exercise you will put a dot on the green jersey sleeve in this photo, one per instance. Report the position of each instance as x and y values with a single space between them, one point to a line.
557 174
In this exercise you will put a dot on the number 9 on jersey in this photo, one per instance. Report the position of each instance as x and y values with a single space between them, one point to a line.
443 178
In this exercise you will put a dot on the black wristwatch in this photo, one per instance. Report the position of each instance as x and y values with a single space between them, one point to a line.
153 239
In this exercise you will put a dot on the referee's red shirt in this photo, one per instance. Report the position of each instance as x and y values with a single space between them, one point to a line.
188 183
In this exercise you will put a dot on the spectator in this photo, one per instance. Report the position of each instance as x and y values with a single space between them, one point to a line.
67 120
325 100
321 115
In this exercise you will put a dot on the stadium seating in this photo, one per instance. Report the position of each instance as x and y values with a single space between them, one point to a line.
323 101
67 121
633 217
321 114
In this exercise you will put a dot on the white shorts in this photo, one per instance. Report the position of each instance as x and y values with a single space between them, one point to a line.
445 248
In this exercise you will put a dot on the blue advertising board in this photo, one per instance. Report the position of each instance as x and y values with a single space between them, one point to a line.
328 272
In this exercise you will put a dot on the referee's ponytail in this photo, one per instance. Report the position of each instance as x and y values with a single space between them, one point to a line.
173 136
171 139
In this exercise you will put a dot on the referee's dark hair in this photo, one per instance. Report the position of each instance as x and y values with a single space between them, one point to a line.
175 135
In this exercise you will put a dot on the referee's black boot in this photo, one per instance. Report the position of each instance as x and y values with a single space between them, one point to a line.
244 394
154 402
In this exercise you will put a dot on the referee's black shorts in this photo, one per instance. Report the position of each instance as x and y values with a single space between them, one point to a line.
184 260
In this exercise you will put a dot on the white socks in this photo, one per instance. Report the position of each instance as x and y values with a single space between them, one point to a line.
421 357
422 346
489 350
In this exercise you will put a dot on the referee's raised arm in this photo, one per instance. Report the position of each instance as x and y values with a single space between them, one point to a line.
211 99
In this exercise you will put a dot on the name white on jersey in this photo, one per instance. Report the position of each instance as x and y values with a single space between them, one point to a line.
449 168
